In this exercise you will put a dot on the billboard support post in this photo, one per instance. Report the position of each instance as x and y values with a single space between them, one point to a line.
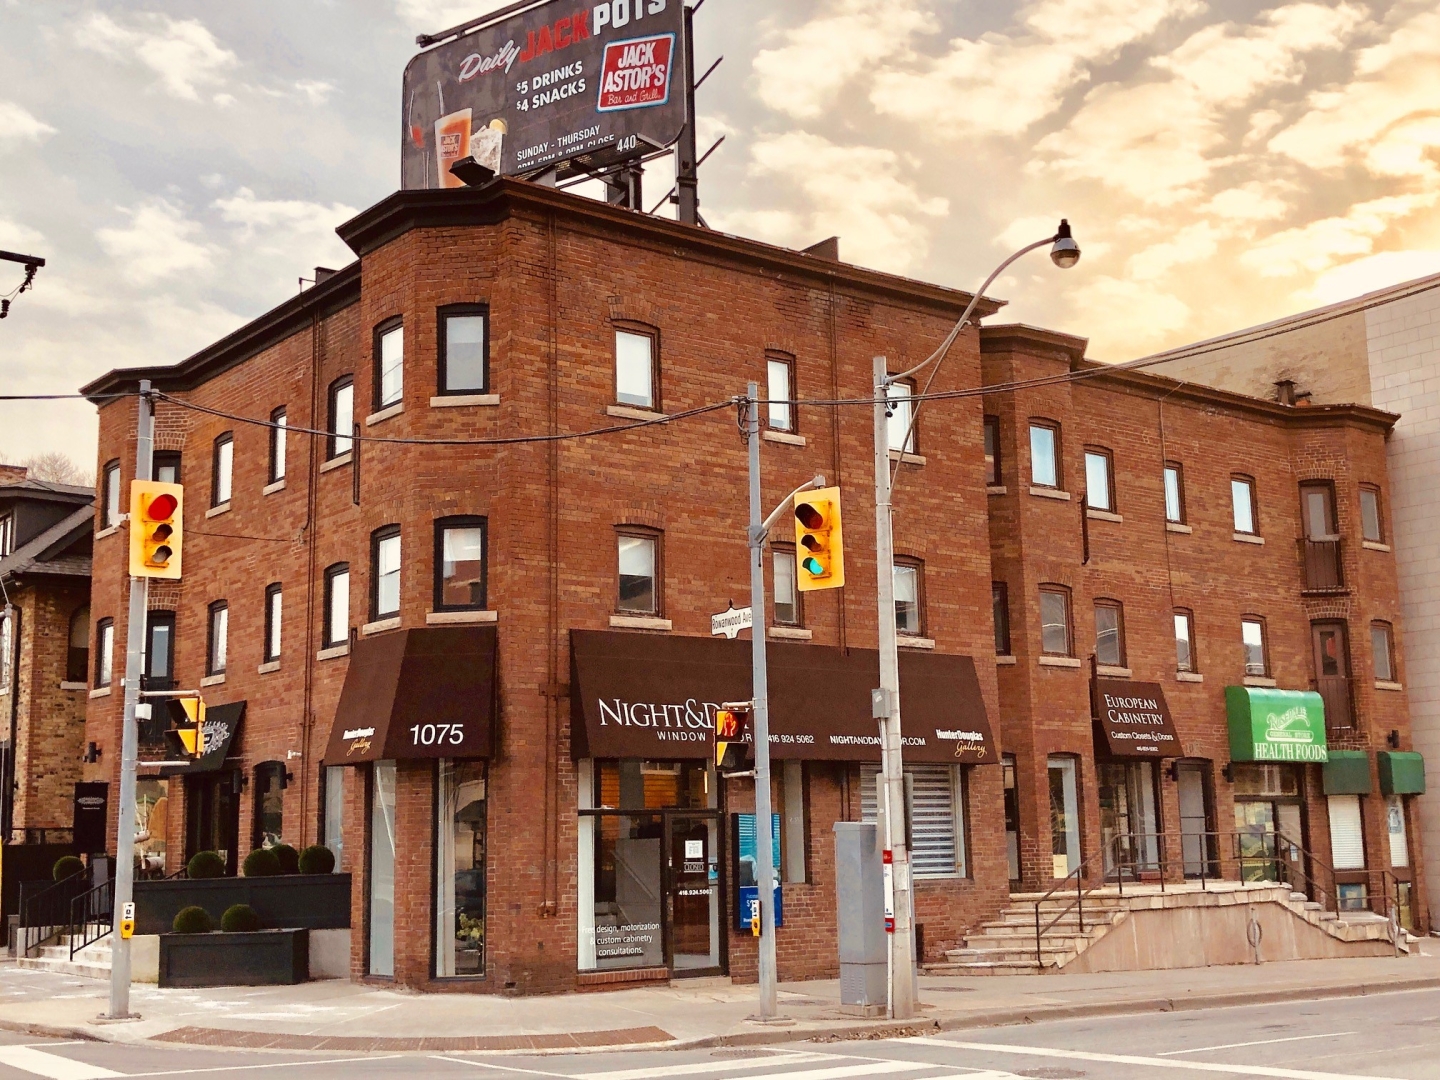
687 179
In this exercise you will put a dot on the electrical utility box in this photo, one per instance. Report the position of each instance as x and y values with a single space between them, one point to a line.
860 918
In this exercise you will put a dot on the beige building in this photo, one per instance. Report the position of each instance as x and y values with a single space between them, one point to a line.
1381 349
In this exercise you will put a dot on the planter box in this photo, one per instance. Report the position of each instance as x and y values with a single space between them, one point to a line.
264 958
302 901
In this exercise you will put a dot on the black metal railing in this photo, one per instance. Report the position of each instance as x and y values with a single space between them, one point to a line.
1323 566
45 909
92 916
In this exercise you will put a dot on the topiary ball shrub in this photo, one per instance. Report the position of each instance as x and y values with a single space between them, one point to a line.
289 858
205 864
240 919
193 920
317 859
262 862
66 866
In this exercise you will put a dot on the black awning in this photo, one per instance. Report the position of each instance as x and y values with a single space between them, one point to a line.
222 725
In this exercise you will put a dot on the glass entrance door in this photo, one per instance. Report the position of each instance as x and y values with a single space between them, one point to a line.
212 816
1128 817
1197 844
692 842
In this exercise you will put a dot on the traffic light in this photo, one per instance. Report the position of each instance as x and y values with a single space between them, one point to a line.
731 722
155 528
818 547
187 737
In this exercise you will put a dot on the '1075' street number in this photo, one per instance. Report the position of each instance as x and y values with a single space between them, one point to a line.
437 734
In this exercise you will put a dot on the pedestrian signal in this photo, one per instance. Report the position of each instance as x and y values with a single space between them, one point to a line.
731 722
187 737
819 549
155 528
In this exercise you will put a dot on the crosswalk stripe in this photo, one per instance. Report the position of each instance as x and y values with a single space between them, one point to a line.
710 1066
38 1062
839 1072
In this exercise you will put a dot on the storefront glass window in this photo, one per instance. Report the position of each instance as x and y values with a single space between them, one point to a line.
151 805
460 869
1064 816
652 785
1257 779
382 868
335 811
628 895
269 803
1395 826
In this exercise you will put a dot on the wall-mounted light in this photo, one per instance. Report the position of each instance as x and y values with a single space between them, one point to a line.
92 753
1228 772
1393 739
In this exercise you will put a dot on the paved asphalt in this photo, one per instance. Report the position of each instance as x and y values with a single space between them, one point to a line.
1394 1036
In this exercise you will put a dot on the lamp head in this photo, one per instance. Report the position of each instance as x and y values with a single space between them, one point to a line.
1065 253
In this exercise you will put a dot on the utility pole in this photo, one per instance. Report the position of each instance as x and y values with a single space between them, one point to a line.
130 736
890 789
686 177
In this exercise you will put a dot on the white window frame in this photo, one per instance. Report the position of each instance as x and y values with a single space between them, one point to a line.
627 382
390 367
779 377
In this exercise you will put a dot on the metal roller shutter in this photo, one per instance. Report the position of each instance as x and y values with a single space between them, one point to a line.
1347 836
936 843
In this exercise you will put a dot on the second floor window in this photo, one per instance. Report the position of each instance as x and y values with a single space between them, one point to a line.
337 605
104 653
389 364
780 384
464 349
110 496
639 559
1242 500
160 651
274 610
909 595
1000 603
385 572
222 470
1099 481
1109 633
218 638
342 417
1174 493
902 408
167 466
992 451
1252 638
7 534
460 564
77 659
1372 526
1054 621
1185 641
1382 645
635 382
279 420
1044 455
787 595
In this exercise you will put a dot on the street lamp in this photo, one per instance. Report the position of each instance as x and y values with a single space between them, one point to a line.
890 793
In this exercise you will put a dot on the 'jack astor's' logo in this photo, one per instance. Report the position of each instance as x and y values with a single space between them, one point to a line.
636 74
359 740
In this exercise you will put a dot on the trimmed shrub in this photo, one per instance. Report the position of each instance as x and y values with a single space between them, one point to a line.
193 920
317 859
65 867
262 862
240 919
289 858
205 864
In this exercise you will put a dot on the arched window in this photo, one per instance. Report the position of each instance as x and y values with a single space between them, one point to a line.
77 662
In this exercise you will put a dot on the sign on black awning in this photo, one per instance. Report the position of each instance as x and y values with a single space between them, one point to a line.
416 694
1135 719
222 726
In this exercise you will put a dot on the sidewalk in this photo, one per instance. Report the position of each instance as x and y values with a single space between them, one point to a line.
342 1016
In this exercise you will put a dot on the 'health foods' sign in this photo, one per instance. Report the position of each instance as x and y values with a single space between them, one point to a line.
566 79
1275 725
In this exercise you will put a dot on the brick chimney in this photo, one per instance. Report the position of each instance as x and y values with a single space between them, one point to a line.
13 474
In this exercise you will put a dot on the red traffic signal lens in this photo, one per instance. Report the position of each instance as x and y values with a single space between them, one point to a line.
162 507
809 516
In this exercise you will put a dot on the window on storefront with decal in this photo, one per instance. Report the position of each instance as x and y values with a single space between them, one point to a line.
460 868
935 826
268 820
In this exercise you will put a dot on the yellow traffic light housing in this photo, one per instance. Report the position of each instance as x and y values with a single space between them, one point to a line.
156 511
732 720
187 737
819 549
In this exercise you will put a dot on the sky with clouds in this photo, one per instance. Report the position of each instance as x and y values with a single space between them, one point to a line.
182 165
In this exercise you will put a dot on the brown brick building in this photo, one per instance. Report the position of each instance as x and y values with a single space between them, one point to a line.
481 669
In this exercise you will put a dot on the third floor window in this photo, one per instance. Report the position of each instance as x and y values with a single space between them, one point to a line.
635 381
460 564
342 417
1174 493
222 471
1242 503
464 349
385 573
1099 480
1044 455
1372 525
279 423
389 364
780 387
992 451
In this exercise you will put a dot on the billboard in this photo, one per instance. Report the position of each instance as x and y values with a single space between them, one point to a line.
596 81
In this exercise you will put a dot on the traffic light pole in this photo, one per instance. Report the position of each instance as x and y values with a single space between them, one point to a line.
890 791
124 891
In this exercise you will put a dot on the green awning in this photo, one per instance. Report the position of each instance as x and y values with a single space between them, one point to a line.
1401 773
1275 725
1347 773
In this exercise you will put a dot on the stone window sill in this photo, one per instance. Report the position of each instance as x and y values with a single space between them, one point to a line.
336 462
1248 538
1113 672
785 437
1189 676
907 458
996 489
1103 515
630 412
451 618
1374 545
213 680
1258 680
459 401
385 414
216 511
791 633
379 626
333 652
639 622
907 641
1058 661
1177 527
86 686
268 667
103 691
1049 493
111 531
1381 684
1006 661
271 489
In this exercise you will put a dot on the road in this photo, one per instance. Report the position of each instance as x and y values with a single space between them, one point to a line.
1395 1036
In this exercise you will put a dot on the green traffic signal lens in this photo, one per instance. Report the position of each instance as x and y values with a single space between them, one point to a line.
812 566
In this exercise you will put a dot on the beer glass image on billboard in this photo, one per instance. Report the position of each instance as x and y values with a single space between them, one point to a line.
452 142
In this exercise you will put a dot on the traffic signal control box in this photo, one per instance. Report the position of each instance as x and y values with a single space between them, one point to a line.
156 510
819 549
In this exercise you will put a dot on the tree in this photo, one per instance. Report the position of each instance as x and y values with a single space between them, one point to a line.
57 468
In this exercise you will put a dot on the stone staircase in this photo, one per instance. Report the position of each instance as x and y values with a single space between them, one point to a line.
1006 945
91 962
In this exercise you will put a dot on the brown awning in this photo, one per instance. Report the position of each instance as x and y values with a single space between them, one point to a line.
422 693
653 697
222 725
1135 719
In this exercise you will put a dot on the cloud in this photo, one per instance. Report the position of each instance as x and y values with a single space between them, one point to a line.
316 91
18 125
430 16
1321 244
1373 272
856 192
17 237
181 52
1252 201
289 233
158 243
1192 244
1128 316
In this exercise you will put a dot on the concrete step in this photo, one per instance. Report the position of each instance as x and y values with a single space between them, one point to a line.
66 966
1028 967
